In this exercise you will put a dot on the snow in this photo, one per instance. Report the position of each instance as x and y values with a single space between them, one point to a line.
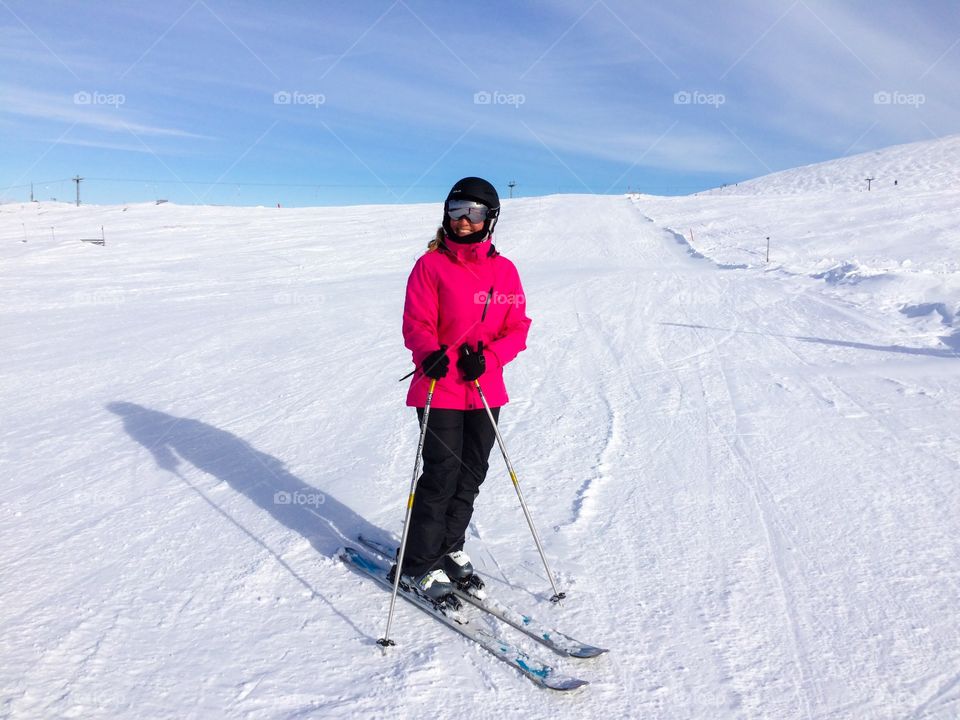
744 475
926 165
894 247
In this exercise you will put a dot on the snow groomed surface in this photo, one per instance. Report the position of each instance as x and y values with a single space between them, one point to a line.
762 463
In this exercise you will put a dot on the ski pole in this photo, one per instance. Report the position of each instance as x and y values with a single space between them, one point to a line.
557 595
385 640
442 347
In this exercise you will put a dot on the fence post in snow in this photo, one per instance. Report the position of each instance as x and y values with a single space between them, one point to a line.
768 248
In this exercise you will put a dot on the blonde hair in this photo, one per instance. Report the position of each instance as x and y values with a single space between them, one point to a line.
437 241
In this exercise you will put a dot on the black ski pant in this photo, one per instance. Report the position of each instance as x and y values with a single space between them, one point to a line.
456 451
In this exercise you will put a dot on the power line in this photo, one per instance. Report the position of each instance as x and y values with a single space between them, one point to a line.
374 186
549 188
39 182
257 184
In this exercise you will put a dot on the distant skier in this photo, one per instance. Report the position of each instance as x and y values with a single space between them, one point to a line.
465 304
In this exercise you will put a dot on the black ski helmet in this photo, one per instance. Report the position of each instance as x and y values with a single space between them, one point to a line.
478 190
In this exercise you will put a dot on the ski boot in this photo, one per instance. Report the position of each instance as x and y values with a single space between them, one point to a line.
433 586
460 570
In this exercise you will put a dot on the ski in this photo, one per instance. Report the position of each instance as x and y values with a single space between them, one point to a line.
554 639
539 672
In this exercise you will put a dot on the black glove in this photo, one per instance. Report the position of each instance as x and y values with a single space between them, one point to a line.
472 363
435 365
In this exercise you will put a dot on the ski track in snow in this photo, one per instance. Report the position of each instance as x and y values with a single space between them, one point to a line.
744 480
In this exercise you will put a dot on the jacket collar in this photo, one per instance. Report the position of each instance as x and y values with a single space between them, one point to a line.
470 252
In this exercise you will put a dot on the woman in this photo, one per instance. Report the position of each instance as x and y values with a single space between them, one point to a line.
463 320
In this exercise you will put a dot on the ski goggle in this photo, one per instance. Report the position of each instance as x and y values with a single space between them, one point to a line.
475 212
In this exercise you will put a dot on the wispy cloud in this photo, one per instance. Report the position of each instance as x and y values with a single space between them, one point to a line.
75 109
112 145
586 87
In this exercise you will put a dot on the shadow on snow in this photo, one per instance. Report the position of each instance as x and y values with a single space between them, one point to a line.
951 351
327 523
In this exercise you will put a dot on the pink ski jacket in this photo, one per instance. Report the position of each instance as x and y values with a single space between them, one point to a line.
447 292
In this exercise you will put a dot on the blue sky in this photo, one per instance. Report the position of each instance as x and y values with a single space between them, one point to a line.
320 103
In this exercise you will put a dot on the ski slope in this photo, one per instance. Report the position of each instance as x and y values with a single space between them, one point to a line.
894 248
745 478
928 165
